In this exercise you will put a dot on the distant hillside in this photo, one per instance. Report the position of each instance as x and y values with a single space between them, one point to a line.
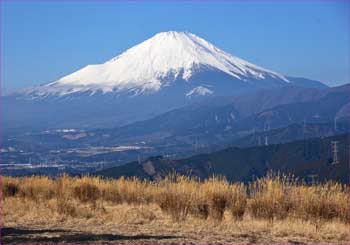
305 82
264 110
200 128
292 132
302 158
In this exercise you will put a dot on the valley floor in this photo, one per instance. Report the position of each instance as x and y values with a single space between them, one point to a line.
27 221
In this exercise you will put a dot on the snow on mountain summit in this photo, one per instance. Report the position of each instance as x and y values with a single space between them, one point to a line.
200 90
152 64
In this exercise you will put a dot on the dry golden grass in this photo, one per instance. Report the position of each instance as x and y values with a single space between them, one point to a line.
274 209
175 196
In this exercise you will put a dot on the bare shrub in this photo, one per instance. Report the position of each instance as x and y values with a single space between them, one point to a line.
64 203
217 193
176 196
134 191
37 187
238 201
271 197
10 187
109 191
323 202
200 206
86 190
66 207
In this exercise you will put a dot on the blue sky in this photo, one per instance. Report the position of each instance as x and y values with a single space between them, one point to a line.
42 41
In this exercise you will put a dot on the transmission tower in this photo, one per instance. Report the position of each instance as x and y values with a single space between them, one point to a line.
196 145
313 178
138 158
266 140
335 151
267 126
304 127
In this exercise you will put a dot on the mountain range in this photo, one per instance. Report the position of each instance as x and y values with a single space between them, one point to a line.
165 72
178 96
304 159
283 115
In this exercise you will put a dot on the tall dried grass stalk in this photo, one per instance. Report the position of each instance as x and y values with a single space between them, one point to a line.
272 197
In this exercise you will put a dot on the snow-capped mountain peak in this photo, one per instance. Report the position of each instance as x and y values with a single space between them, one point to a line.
152 64
200 90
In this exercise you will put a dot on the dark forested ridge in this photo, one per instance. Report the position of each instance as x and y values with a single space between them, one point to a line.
302 158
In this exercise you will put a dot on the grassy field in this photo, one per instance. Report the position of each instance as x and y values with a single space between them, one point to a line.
177 209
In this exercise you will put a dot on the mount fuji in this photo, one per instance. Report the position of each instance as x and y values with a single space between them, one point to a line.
156 63
167 71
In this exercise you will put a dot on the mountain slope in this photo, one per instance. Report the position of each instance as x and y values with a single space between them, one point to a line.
215 122
154 64
301 158
305 82
283 115
290 133
168 71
